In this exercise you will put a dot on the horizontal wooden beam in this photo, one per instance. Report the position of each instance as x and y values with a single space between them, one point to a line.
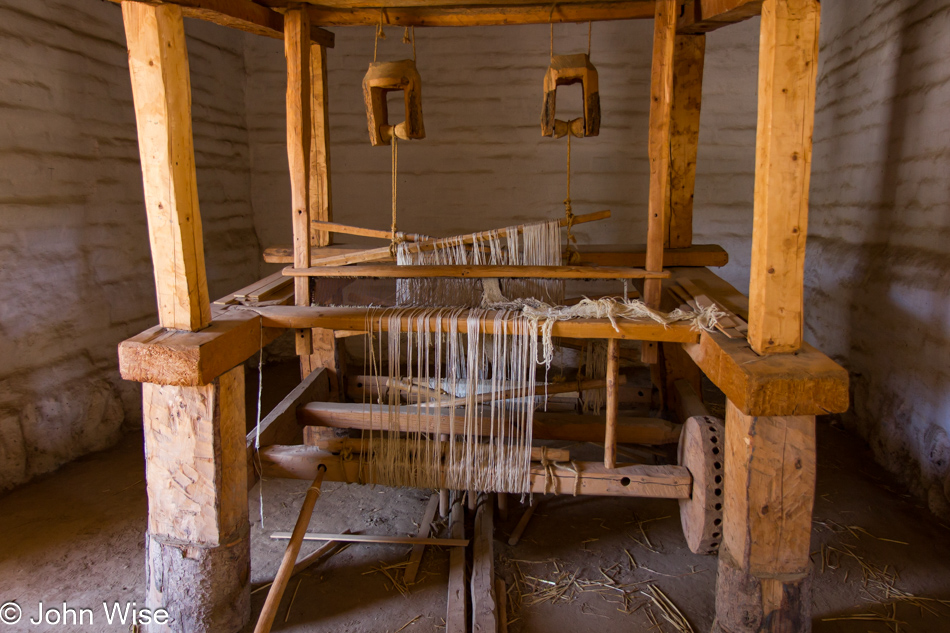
804 383
356 445
384 271
476 13
666 482
300 317
375 538
190 359
569 427
702 16
633 256
243 15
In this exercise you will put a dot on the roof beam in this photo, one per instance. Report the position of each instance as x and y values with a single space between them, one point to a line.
243 15
702 16
409 13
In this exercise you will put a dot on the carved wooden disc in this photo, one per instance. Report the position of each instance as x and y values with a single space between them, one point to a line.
701 451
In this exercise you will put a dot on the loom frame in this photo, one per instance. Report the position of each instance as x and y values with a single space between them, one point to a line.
191 364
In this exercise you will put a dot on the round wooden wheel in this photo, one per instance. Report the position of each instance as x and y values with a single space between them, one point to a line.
701 451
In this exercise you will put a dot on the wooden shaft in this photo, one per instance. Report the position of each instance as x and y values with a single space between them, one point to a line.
419 548
613 402
522 524
541 390
689 58
311 558
475 272
502 505
333 227
382 254
321 200
362 445
299 127
276 592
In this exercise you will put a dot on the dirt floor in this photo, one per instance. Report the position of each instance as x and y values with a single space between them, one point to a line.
880 557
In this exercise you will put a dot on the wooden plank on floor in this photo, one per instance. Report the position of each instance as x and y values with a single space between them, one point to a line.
457 601
484 611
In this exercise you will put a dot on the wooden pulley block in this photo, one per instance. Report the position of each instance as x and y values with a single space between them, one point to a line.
702 452
381 79
574 127
566 70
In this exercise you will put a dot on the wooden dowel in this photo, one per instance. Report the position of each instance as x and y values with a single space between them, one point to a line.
382 254
502 505
501 598
359 445
613 402
388 271
372 538
334 227
522 524
269 611
550 389
444 499
316 555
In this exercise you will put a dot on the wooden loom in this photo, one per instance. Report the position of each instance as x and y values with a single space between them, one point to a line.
199 463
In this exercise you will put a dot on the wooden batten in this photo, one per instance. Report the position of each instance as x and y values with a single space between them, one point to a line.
296 317
688 60
321 200
788 68
370 271
297 51
161 89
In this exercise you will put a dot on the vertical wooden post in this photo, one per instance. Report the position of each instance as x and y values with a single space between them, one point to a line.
764 566
613 402
688 59
161 90
299 126
661 102
198 543
321 202
329 353
788 67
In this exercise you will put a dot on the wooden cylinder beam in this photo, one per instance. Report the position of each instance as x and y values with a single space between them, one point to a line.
334 227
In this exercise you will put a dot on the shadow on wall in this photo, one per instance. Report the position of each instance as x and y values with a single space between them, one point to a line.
878 269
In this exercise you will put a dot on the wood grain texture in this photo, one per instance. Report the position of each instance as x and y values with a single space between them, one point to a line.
188 359
767 514
195 460
457 599
788 67
613 403
666 482
321 198
161 90
688 61
702 16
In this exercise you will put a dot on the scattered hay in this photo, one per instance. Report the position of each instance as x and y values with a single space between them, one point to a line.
395 573
669 611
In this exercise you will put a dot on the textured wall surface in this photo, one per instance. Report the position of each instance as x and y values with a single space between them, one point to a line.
484 163
878 261
74 255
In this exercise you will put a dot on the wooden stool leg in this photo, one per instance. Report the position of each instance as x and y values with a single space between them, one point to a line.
764 569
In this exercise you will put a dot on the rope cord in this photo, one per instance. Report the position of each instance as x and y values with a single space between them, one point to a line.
406 39
395 238
589 22
573 256
380 34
